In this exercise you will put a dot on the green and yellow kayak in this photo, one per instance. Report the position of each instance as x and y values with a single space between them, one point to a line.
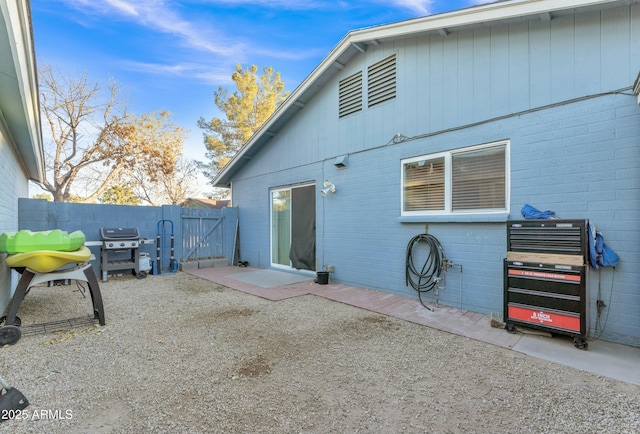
45 261
27 241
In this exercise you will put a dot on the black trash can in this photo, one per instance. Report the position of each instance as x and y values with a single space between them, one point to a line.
323 277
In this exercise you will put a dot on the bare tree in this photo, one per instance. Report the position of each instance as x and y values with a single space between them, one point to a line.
95 142
165 189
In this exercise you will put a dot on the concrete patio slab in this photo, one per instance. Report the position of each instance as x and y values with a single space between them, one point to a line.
269 278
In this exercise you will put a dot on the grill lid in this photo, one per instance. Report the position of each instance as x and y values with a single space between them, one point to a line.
119 233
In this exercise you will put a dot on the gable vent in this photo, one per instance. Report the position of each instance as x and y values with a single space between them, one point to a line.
350 94
382 81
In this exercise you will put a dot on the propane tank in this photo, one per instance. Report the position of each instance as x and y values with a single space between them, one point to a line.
145 262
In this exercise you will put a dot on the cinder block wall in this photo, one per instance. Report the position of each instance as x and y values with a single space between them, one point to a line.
580 160
583 161
41 215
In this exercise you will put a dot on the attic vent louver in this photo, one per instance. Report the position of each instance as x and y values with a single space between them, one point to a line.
350 95
382 81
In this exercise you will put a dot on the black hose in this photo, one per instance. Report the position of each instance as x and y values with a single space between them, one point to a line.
429 275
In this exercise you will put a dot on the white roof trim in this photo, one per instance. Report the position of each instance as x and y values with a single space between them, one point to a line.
502 10
20 99
477 15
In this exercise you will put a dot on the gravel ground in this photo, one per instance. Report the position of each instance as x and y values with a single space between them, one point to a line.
180 354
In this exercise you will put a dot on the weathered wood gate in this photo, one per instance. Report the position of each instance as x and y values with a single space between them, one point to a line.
208 233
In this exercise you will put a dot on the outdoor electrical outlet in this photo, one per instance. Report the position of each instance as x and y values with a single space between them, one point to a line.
330 268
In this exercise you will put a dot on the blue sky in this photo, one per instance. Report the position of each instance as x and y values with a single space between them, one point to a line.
173 54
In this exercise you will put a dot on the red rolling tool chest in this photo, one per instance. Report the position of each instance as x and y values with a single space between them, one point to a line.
545 277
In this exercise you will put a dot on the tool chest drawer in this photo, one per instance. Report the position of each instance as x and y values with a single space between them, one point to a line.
567 237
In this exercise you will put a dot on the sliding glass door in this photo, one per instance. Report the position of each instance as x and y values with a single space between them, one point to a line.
293 227
280 227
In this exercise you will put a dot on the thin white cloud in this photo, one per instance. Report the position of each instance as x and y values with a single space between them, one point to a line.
290 54
291 5
420 7
159 16
123 6
222 51
417 6
426 7
206 73
213 49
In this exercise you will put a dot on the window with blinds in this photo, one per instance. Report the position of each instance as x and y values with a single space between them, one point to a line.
424 185
461 181
350 95
478 179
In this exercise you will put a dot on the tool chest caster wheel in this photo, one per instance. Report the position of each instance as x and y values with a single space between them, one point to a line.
580 343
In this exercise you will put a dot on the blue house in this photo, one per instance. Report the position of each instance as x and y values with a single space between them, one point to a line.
449 124
21 152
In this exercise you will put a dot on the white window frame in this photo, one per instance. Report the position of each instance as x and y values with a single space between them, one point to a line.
448 181
271 259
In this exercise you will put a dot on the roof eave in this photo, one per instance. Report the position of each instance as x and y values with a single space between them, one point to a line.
19 107
477 15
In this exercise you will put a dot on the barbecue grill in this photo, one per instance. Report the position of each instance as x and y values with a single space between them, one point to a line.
120 251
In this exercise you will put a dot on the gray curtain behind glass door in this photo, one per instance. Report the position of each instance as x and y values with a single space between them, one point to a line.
303 228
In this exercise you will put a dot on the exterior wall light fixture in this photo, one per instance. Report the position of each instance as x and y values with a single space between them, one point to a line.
328 188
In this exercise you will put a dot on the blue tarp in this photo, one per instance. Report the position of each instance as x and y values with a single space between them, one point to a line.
600 255
529 212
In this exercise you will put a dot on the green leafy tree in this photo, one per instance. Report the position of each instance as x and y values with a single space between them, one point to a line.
45 196
256 98
120 195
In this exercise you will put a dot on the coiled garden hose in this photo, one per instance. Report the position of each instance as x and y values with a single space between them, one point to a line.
429 274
